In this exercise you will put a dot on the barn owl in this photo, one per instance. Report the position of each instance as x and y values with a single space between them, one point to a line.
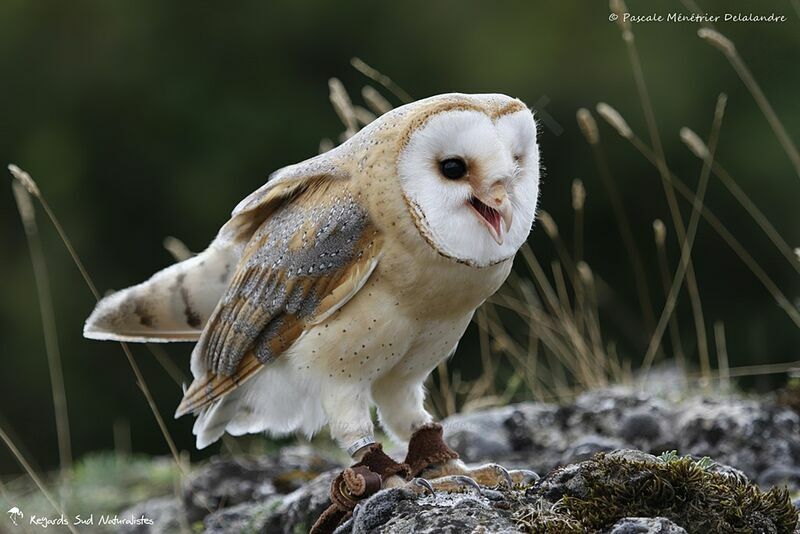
347 278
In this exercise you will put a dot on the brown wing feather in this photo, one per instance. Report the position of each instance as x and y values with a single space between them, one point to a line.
302 264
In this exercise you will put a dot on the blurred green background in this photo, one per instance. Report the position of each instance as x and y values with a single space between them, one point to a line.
146 119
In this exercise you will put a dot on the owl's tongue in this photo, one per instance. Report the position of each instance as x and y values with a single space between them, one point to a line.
491 216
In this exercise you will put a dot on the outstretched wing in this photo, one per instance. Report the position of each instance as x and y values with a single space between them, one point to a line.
305 261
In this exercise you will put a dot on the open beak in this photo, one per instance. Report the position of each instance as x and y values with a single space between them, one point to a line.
493 208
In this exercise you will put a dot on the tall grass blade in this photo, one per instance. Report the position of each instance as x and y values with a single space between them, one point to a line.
26 180
726 46
380 78
32 474
698 148
659 235
619 7
686 247
28 216
591 133
616 121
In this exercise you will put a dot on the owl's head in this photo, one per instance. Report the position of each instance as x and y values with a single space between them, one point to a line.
469 170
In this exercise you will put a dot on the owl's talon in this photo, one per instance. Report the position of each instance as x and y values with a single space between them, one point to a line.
468 481
421 482
488 475
503 476
446 484
507 477
522 478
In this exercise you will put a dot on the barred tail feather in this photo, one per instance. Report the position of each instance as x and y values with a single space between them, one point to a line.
173 305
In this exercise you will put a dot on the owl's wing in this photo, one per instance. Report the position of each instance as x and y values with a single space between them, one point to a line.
304 262
176 302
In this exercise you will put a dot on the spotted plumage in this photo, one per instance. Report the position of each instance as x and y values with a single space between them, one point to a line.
344 280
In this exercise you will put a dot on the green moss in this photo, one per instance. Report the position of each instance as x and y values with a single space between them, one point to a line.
112 482
102 483
264 511
681 490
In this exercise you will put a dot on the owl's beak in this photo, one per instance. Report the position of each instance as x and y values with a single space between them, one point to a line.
493 208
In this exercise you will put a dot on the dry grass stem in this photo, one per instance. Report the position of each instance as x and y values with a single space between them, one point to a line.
699 149
592 319
672 202
177 248
166 363
660 236
33 189
578 201
363 116
691 5
727 47
122 437
718 40
620 215
17 172
723 367
619 8
686 247
762 369
22 195
486 383
375 101
325 144
588 126
694 143
561 332
32 474
725 234
382 79
614 119
343 106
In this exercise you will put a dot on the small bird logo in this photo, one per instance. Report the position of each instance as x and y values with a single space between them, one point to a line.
15 513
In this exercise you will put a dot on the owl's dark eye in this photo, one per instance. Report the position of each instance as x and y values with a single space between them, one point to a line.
453 168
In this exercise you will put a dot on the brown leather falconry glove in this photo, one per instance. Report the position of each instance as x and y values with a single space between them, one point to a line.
356 483
427 447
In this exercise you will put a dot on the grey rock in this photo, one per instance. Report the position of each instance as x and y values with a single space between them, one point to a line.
726 470
297 511
641 427
746 434
781 476
377 510
646 525
749 435
479 435
163 515
231 481
227 482
240 518
587 446
447 513
567 480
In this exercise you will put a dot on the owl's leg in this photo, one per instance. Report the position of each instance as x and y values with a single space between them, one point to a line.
401 405
351 426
